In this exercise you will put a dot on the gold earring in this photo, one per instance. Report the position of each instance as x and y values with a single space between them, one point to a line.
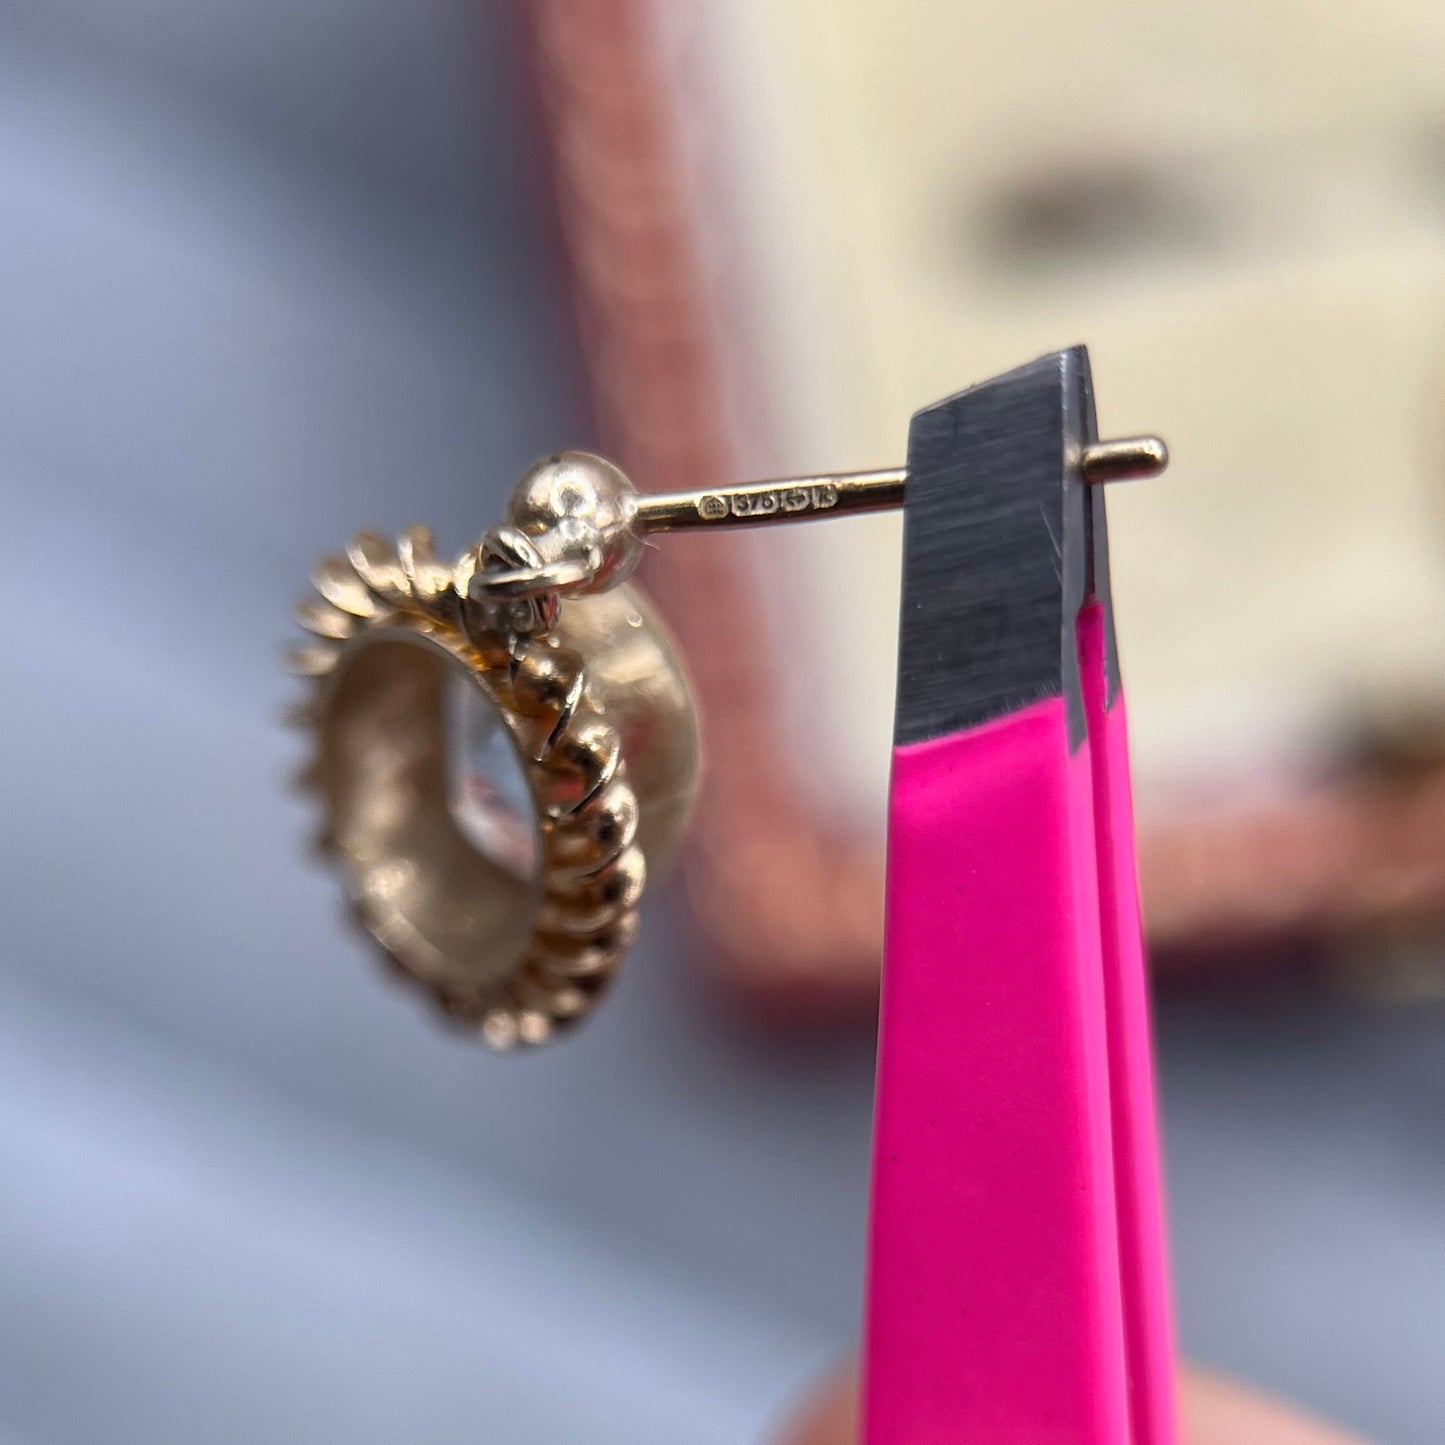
507 884
506 748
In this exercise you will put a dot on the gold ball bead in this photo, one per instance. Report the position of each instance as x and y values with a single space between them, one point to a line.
621 885
544 678
581 764
612 891
579 507
500 1029
534 1027
600 831
596 956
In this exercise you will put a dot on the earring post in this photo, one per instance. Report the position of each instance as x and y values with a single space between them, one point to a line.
805 499
788 499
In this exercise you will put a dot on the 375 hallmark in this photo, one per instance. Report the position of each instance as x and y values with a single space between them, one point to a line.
765 501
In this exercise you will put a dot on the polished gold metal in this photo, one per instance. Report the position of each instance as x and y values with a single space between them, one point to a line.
1129 459
601 720
540 617
803 499
788 499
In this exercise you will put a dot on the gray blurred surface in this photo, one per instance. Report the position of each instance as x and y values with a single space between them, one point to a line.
267 274
1306 1146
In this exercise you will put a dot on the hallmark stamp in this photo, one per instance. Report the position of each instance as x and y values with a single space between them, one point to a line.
766 501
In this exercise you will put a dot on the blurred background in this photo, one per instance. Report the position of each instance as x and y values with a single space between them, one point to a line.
274 272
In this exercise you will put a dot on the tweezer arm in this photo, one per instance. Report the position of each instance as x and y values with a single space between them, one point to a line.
1143 1248
993 1309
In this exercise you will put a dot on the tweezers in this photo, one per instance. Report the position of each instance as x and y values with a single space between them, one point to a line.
1017 1274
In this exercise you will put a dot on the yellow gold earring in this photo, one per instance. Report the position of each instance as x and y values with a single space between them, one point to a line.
504 749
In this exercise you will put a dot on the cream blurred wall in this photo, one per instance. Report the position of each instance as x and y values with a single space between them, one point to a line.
1241 208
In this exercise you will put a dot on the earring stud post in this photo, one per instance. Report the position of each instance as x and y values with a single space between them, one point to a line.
788 499
802 499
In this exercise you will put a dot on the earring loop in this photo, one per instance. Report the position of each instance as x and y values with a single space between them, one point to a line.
515 916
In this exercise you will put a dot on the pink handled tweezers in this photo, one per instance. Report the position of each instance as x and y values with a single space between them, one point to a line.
1017 1290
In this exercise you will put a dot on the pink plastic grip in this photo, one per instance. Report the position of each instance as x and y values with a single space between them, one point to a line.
1143 1249
993 1314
